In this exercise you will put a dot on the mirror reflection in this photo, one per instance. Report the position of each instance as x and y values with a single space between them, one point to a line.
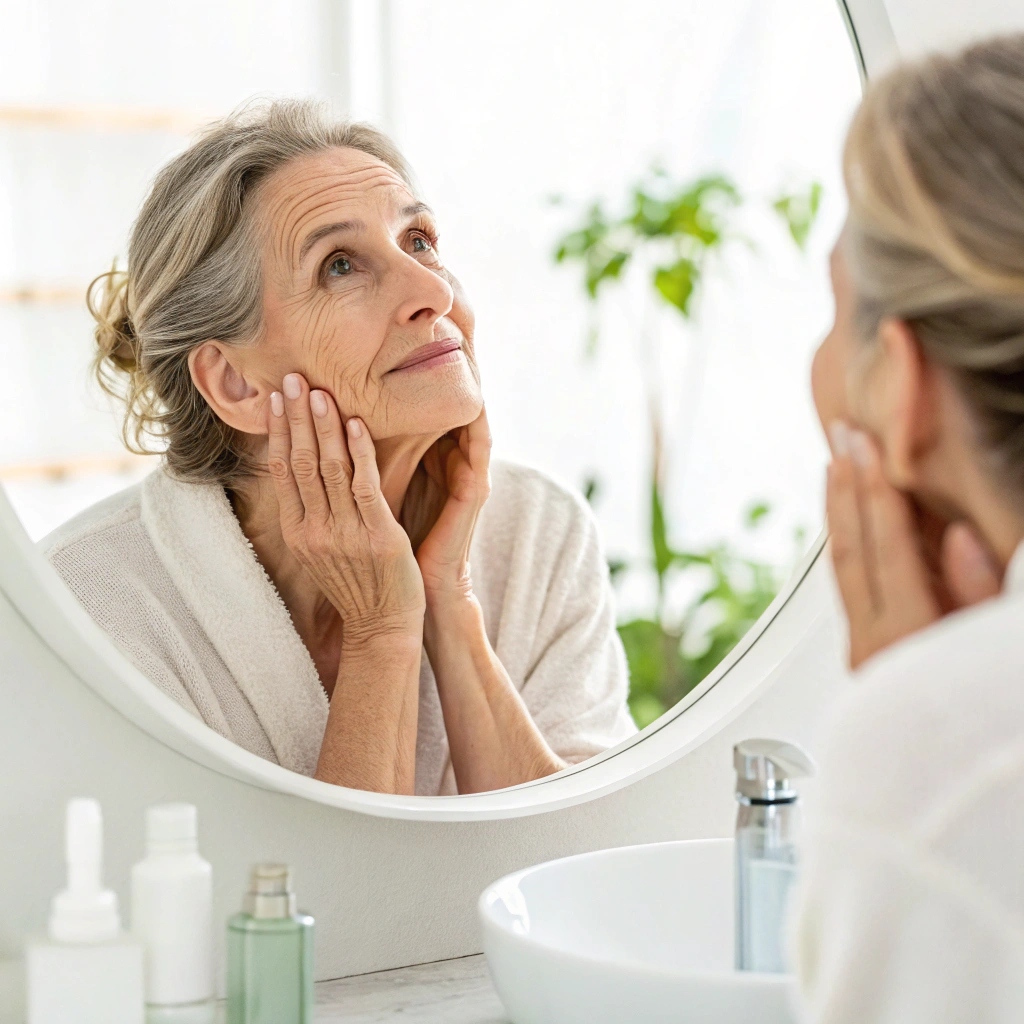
448 417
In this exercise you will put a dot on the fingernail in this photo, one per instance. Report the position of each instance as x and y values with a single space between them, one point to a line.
860 448
355 428
318 403
292 387
839 435
276 403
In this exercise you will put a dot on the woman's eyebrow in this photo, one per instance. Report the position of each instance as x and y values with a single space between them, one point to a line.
352 225
327 229
411 211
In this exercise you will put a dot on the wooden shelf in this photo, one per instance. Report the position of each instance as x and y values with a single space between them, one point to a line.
103 118
43 295
82 465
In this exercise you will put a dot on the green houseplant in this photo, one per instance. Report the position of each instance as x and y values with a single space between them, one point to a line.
671 235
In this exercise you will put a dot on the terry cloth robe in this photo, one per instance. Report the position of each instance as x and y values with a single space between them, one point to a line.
911 907
166 570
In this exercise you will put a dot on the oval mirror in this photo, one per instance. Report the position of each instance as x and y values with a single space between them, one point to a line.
638 201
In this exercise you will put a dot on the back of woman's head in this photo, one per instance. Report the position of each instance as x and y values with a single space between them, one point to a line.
934 169
194 274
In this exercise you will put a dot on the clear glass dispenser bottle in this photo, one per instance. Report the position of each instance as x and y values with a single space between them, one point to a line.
270 954
767 823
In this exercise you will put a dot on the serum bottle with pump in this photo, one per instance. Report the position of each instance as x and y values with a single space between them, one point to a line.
270 954
172 916
88 971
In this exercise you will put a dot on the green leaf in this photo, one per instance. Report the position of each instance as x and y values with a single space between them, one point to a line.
799 211
756 513
696 211
676 283
656 669
603 265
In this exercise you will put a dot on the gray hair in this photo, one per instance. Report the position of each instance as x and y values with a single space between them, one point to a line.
194 274
934 168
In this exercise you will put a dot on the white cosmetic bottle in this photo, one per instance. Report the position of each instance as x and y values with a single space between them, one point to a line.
88 971
172 916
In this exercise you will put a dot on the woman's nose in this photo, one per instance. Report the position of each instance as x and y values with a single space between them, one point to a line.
423 293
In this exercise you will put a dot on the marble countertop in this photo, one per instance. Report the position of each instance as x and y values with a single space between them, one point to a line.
447 992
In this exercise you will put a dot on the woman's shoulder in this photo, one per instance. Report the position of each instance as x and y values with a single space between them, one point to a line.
528 511
927 715
104 520
534 528
522 493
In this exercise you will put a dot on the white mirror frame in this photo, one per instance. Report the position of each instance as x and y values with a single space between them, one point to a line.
49 607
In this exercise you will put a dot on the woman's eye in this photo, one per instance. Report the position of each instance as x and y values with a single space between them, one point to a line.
339 267
420 244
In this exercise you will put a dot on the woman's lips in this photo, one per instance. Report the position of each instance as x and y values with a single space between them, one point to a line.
437 353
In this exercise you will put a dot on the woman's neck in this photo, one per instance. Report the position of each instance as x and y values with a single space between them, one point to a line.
255 504
1001 527
966 490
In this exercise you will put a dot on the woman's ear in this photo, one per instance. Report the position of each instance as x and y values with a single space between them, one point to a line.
904 403
237 402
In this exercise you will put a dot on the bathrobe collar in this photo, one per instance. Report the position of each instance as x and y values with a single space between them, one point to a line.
213 565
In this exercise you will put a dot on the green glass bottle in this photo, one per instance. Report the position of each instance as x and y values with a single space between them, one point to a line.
270 954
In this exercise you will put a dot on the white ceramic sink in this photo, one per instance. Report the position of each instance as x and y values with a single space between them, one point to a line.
639 935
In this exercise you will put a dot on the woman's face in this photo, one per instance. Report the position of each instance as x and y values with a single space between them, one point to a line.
357 300
832 381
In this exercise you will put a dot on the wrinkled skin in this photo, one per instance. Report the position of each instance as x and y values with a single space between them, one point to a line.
349 308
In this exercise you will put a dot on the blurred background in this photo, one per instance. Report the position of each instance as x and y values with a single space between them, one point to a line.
639 198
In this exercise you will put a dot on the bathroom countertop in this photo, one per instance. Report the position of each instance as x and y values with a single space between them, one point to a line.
447 992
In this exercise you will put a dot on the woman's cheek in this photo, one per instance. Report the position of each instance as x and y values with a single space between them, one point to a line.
462 312
828 382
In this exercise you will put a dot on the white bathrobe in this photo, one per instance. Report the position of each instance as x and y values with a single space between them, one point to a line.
165 569
911 909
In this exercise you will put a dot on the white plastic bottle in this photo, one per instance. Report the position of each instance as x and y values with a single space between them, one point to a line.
88 971
172 915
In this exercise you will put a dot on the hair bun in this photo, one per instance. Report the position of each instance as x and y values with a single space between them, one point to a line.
116 341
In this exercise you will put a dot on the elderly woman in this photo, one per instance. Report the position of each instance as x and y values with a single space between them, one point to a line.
327 509
913 900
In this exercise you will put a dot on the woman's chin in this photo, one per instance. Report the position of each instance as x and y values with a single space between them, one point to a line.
436 402
463 409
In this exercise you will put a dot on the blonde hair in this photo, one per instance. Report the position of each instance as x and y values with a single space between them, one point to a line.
194 274
934 167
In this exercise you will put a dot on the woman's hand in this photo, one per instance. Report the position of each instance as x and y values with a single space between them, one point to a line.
335 519
458 469
898 569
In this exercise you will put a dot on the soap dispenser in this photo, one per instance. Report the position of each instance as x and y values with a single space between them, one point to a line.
767 823
86 970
